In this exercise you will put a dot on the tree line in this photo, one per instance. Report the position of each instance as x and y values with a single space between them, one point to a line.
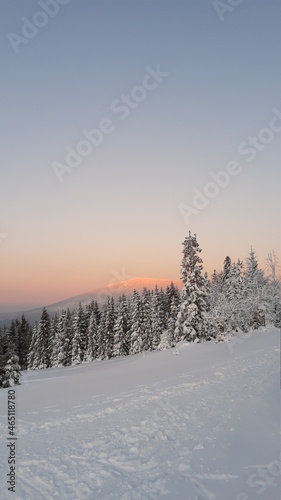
239 298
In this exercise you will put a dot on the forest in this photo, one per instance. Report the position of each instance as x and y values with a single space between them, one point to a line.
239 298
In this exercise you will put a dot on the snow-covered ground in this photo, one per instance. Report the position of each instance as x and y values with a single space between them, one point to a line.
203 424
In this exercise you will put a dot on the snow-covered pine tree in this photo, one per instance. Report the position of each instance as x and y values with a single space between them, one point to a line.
254 282
226 270
40 348
217 314
164 341
121 329
272 291
109 328
101 351
2 369
13 336
93 338
277 322
4 340
169 337
207 283
157 318
11 370
210 325
243 312
65 354
216 283
191 321
226 300
234 293
31 350
106 330
62 339
172 292
162 308
79 341
25 334
172 333
54 340
146 319
97 312
77 355
136 322
223 303
94 307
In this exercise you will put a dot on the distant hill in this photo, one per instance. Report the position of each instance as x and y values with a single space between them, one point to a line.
100 294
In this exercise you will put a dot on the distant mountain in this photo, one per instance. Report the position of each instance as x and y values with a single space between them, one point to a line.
100 294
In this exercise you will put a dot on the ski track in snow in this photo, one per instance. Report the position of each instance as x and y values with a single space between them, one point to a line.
173 438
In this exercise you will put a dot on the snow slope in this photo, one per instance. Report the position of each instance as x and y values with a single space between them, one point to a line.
203 424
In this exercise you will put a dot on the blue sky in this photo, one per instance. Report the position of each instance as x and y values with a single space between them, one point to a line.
120 206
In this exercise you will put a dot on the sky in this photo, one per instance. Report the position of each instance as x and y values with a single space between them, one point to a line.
116 117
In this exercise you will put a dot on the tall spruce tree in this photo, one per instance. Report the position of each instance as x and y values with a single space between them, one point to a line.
101 351
109 328
157 318
31 350
146 319
67 336
93 338
13 336
2 370
169 337
54 340
79 340
121 329
272 291
254 295
136 321
62 339
25 334
40 349
94 307
191 321
172 292
226 270
234 294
